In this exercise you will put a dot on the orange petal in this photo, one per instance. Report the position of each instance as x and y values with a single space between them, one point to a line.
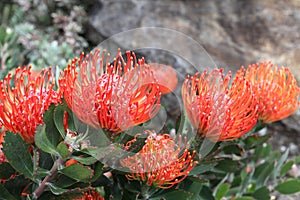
166 77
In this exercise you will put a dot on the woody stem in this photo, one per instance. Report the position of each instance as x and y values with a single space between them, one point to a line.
52 173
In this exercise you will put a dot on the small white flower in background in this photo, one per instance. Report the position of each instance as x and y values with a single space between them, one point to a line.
294 172
173 133
262 132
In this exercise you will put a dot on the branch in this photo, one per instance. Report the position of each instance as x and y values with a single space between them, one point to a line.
37 193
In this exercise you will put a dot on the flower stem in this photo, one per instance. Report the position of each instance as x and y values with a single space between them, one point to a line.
52 173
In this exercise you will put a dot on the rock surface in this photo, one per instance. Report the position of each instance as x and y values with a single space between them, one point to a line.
233 32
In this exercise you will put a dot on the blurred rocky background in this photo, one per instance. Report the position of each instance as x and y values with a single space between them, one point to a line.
233 32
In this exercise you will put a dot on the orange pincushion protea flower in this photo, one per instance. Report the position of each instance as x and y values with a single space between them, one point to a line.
216 109
112 96
23 105
276 89
161 162
90 195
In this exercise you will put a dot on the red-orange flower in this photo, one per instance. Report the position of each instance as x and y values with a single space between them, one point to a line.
276 89
114 96
90 195
161 162
24 99
218 109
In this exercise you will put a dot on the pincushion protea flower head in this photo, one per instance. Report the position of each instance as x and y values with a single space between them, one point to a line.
161 162
218 109
23 103
276 89
113 96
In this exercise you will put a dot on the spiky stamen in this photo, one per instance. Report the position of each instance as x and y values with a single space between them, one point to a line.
216 109
23 105
161 162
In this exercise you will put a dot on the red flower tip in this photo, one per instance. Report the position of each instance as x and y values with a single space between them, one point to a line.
161 162
71 162
216 109
90 195
166 77
22 106
114 96
276 89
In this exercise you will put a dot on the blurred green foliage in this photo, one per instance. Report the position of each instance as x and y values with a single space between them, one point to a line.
41 33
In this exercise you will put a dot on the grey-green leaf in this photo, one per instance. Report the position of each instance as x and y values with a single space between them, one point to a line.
289 187
222 191
78 172
42 141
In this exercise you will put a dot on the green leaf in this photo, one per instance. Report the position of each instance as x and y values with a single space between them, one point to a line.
279 164
116 191
177 194
233 191
297 160
62 149
17 154
71 120
206 193
59 119
64 181
289 187
5 195
56 190
2 34
264 175
78 172
97 171
45 160
286 167
132 186
41 173
42 141
227 165
201 168
237 181
255 140
262 193
195 189
48 195
222 191
102 181
197 179
234 149
246 182
16 185
85 160
259 126
244 198
262 151
220 183
6 170
52 132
